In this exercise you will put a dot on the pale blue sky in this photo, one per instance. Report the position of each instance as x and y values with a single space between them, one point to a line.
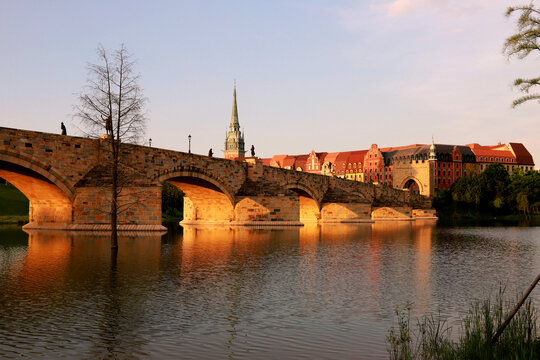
312 74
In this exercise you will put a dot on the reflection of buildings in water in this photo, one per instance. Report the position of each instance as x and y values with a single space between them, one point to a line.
225 268
80 264
398 238
13 248
48 257
308 244
422 231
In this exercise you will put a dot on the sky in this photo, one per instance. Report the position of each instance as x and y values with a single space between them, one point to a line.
323 75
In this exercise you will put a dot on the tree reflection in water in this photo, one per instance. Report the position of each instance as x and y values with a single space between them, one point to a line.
313 291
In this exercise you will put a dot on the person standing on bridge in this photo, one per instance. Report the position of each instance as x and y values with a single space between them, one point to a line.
252 151
210 153
63 127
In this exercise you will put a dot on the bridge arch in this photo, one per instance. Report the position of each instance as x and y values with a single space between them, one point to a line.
206 198
44 170
51 200
309 205
411 183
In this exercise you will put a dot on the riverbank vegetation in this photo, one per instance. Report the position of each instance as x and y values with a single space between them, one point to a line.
172 203
432 338
13 205
491 193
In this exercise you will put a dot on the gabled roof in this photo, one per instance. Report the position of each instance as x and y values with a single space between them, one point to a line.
523 156
443 151
330 157
357 156
343 157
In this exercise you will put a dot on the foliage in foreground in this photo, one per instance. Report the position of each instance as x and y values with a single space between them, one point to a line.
431 338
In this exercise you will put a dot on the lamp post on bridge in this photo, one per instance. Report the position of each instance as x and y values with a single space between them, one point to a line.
189 146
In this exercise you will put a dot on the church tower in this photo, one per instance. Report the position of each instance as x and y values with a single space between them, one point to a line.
234 140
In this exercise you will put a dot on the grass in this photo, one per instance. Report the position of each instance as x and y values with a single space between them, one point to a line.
12 201
431 337
13 205
13 219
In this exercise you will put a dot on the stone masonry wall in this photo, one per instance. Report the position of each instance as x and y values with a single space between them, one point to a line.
72 173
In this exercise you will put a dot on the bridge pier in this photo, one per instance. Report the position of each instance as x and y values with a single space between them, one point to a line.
345 212
139 210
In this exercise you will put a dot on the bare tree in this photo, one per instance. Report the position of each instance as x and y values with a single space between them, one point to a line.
522 44
112 103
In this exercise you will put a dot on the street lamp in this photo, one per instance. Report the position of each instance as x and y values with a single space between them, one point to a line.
189 140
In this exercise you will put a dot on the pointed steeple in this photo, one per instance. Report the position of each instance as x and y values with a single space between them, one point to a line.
234 140
235 125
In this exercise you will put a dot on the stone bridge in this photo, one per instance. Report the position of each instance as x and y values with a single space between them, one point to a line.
67 181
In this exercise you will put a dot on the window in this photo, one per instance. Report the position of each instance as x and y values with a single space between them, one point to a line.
490 159
497 159
506 159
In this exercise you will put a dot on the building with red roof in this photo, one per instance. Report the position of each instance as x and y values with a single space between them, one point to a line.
511 156
416 167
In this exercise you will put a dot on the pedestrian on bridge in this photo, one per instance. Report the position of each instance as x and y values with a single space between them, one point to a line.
63 127
210 153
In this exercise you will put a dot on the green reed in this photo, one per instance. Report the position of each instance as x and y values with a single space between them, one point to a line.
431 337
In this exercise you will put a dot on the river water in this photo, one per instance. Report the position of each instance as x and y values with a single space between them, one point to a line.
316 292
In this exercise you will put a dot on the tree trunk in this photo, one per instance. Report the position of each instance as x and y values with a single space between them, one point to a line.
495 337
114 203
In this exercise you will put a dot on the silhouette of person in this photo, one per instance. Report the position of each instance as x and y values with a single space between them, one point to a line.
210 153
63 127
252 151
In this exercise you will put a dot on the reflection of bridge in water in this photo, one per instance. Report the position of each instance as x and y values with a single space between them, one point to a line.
66 180
203 280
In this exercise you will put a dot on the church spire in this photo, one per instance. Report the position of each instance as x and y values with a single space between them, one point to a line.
235 125
234 140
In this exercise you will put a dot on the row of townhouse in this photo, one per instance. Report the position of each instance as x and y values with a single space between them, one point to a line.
417 167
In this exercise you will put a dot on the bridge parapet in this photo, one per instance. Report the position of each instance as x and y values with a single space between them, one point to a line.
67 180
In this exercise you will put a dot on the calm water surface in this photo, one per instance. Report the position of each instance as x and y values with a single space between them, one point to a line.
317 292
